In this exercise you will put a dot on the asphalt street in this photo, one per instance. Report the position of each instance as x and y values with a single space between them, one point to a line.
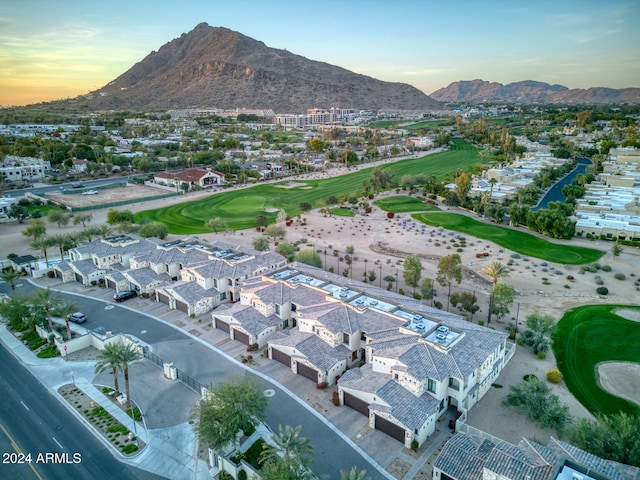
41 439
199 360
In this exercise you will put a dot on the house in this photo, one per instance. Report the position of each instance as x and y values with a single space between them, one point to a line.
469 457
191 177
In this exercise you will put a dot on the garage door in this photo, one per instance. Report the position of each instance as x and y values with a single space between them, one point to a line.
357 404
391 429
281 357
241 336
78 278
111 283
308 372
183 307
220 325
163 298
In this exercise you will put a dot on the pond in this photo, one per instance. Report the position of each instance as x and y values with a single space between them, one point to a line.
554 194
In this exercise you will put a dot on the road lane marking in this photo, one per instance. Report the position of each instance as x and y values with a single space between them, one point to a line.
25 406
17 450
61 447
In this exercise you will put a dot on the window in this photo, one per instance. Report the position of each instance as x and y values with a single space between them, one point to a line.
223 295
431 386
277 309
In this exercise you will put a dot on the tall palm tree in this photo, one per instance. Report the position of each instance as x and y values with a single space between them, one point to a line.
129 354
63 310
62 241
289 445
495 271
10 276
42 244
110 358
47 299
104 231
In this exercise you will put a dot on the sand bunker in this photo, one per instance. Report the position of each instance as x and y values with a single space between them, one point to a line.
628 313
291 185
621 379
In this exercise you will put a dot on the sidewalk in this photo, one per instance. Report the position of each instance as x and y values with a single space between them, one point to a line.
169 452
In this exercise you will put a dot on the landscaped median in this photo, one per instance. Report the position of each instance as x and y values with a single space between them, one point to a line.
589 337
515 240
109 427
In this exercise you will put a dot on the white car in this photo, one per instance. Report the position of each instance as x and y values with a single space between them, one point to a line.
90 192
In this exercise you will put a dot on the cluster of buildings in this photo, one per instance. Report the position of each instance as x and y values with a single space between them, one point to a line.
23 169
610 208
318 116
397 361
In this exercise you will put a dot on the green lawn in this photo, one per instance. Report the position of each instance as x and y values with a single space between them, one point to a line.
342 212
515 240
403 203
586 336
240 207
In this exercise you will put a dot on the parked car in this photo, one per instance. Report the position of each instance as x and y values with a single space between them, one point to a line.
77 185
90 192
78 317
122 296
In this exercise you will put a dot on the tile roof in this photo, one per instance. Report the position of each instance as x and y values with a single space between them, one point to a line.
145 276
319 353
86 267
249 318
464 457
189 292
411 411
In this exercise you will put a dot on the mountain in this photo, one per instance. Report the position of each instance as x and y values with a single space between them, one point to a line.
214 67
481 91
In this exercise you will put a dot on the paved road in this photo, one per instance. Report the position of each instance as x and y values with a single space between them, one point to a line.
34 422
199 360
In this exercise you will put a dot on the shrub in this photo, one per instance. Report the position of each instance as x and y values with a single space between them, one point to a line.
50 351
529 376
321 385
554 376
606 268
129 448
542 355
619 276
335 398
414 445
602 291
390 214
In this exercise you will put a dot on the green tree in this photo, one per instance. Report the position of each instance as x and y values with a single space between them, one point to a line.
309 257
282 216
316 145
82 218
19 212
502 297
36 229
261 220
59 217
261 244
115 217
154 229
286 249
495 271
62 241
613 437
285 470
10 276
228 407
449 271
426 290
217 225
465 301
275 232
412 271
463 185
616 250
538 333
127 354
16 312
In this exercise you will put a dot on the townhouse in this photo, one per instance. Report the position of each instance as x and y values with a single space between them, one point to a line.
394 359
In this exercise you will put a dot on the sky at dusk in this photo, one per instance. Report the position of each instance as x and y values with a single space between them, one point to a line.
58 49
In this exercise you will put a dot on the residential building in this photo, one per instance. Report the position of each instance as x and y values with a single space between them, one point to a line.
191 177
396 360
469 457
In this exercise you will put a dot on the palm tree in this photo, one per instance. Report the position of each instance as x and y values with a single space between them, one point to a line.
10 276
47 299
353 474
104 231
289 445
62 241
128 354
484 199
63 310
495 271
110 358
42 244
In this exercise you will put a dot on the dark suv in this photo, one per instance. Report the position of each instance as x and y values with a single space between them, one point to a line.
122 296
77 317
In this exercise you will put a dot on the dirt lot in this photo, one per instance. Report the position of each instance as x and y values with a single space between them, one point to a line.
107 196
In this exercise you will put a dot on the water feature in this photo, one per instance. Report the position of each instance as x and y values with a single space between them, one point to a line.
554 194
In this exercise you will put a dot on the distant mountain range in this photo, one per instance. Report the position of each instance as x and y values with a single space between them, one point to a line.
531 92
217 67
